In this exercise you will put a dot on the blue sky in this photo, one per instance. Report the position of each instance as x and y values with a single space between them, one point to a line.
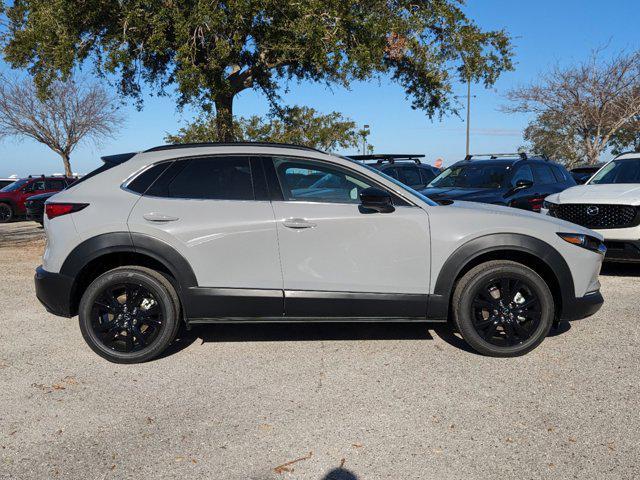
545 32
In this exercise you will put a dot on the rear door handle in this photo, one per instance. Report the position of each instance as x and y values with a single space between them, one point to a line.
159 217
297 223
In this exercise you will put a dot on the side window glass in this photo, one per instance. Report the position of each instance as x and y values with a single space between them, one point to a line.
55 184
543 175
329 184
38 186
209 178
411 176
427 175
391 171
523 173
142 182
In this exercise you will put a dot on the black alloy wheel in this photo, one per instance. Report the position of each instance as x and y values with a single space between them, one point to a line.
129 314
503 308
506 311
126 317
6 213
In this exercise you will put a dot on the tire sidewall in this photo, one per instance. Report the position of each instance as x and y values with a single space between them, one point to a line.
155 286
533 281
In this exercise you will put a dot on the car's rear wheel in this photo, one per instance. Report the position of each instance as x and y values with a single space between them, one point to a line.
6 213
129 314
503 308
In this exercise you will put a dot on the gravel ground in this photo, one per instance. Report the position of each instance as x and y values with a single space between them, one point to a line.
338 401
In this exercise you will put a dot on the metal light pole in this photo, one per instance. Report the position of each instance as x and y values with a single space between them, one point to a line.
468 110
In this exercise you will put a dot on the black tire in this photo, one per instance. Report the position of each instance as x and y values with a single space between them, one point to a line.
129 314
6 213
501 324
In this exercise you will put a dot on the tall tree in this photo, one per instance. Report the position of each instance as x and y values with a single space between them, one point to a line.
627 138
548 135
586 104
70 113
299 125
212 50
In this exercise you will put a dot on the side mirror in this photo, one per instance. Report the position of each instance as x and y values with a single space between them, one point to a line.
376 200
522 184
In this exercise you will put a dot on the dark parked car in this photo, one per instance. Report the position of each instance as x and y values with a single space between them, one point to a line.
583 173
514 180
35 206
406 168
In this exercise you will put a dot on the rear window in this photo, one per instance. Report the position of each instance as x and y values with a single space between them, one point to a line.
142 182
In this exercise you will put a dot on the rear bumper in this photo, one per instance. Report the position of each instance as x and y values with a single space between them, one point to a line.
622 250
54 292
582 307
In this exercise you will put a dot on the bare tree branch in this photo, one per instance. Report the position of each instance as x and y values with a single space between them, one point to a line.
590 102
72 112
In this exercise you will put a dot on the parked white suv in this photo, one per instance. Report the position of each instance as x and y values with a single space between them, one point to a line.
212 233
608 203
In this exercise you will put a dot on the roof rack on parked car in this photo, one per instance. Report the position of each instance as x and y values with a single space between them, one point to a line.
231 144
388 157
493 156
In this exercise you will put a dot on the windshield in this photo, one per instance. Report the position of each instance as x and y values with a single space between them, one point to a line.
471 176
422 197
14 186
618 171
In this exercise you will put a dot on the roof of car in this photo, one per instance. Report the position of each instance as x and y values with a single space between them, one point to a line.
627 156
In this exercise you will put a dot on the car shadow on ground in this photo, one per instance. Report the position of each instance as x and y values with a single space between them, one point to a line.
15 234
355 331
621 269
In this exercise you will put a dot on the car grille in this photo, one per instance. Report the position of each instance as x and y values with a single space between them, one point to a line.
597 215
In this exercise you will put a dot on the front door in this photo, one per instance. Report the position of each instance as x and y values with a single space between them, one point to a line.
339 260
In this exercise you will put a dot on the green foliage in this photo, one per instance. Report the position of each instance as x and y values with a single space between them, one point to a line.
549 135
298 125
210 50
627 138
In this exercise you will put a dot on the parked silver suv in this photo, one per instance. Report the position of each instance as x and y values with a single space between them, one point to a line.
209 233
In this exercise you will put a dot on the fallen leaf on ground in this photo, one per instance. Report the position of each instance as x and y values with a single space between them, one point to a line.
285 466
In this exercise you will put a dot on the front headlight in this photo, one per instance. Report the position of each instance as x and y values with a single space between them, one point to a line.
550 206
584 241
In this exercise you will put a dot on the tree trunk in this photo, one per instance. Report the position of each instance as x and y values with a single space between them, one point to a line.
67 164
224 118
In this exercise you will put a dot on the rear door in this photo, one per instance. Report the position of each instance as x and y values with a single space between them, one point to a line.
339 260
214 211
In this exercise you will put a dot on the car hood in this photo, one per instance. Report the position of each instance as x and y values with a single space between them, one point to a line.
532 220
451 193
621 193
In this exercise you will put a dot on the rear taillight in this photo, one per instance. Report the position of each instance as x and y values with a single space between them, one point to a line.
54 210
536 203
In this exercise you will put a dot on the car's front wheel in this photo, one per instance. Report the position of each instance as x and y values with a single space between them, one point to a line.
6 213
129 314
503 308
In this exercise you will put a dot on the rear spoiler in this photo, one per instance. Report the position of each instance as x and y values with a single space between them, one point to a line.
118 158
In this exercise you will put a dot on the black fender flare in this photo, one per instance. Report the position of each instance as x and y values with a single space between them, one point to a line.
469 251
126 242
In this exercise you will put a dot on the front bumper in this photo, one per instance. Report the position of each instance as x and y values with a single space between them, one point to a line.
582 307
54 292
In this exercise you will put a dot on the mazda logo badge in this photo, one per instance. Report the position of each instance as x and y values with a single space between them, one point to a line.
592 210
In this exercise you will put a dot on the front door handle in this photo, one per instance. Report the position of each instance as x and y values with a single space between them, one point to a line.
159 217
297 223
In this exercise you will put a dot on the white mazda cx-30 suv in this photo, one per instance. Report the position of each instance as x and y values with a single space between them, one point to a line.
608 203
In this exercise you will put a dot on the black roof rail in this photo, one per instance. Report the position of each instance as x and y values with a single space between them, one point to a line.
231 144
493 156
388 157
